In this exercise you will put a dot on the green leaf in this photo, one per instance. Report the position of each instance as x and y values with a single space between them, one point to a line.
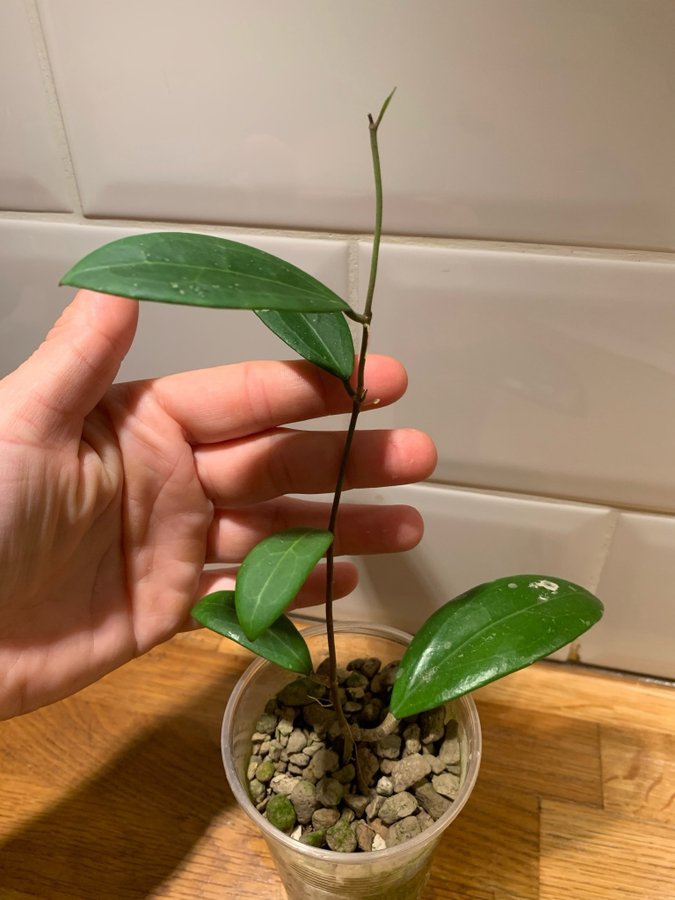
487 632
200 270
272 574
281 643
322 338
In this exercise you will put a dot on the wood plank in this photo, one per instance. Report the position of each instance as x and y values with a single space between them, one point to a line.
639 773
586 695
239 863
591 854
550 755
505 866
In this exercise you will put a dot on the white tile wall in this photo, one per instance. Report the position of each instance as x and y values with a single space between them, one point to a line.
628 559
32 169
542 371
536 372
471 537
543 120
638 585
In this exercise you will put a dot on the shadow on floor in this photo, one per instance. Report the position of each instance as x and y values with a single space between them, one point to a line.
122 833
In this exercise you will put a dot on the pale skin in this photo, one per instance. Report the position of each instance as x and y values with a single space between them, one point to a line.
115 496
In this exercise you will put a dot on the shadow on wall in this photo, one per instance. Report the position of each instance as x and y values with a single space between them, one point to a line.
124 832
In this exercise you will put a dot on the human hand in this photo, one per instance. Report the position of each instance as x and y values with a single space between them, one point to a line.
115 497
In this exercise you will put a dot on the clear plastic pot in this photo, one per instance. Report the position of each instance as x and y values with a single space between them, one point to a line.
397 873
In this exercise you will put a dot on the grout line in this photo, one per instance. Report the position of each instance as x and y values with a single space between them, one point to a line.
633 255
574 500
571 251
582 668
605 547
79 218
53 103
39 218
353 274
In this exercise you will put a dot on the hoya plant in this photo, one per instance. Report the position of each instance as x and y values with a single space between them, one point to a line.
487 632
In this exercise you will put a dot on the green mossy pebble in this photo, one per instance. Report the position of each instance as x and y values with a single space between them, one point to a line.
257 790
341 838
266 771
280 812
314 838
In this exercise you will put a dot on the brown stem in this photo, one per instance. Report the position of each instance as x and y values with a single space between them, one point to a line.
358 395
330 566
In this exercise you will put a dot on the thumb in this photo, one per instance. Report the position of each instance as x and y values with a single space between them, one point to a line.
75 365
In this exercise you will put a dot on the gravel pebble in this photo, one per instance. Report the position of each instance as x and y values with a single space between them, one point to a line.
431 801
446 785
357 803
266 724
389 747
398 807
324 818
403 830
323 762
305 801
283 783
364 836
432 725
412 742
329 792
384 787
409 771
297 741
449 750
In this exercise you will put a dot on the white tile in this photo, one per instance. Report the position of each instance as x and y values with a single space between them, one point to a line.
472 537
637 586
33 257
538 373
32 173
546 121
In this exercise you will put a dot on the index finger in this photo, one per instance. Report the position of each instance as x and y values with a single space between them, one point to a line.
240 399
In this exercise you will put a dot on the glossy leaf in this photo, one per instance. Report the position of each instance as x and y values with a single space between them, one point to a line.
272 574
322 338
281 643
200 270
487 632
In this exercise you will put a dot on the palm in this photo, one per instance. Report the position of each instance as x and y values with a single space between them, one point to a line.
99 578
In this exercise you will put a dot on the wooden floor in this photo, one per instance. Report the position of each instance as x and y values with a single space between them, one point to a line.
118 793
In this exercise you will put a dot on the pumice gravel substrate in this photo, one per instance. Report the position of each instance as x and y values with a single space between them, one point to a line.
296 778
